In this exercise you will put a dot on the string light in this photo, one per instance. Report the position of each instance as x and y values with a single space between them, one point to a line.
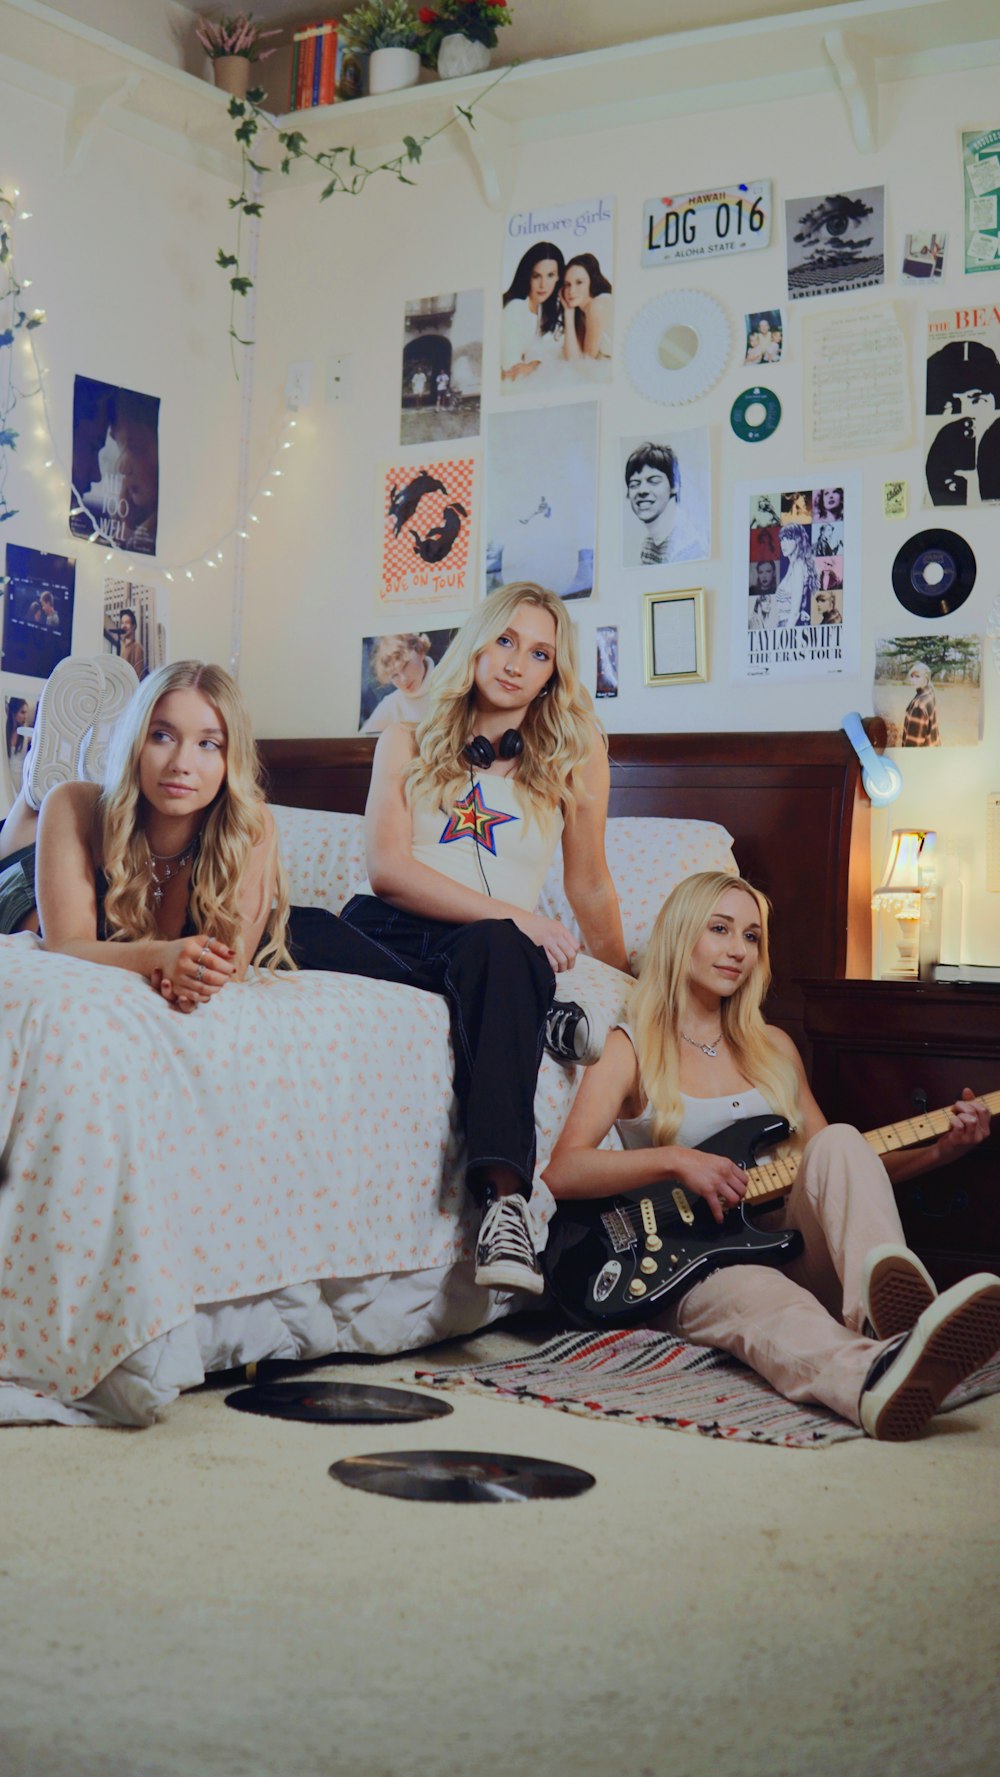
209 557
204 558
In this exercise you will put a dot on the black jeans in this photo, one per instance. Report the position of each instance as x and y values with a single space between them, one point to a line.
498 986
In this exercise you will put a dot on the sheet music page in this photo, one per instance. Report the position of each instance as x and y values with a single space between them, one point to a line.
857 385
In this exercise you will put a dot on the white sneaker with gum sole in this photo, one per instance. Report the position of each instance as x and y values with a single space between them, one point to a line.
895 1290
955 1336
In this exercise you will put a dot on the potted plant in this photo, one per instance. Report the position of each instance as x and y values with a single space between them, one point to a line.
387 31
233 43
459 34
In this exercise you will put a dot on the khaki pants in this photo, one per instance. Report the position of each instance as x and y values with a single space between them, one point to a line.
800 1326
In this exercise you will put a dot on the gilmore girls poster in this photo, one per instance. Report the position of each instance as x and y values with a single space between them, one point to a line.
557 311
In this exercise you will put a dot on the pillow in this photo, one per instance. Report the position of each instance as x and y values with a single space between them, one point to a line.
647 856
324 855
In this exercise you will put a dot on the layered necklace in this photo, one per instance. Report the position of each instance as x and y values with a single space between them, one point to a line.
711 1049
169 867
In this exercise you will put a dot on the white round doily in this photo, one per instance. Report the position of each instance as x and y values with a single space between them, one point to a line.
647 353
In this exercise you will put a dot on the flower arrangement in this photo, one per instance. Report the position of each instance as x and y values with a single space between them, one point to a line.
381 24
479 20
235 34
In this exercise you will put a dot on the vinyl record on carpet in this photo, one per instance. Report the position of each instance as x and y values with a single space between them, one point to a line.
461 1477
337 1403
934 573
754 415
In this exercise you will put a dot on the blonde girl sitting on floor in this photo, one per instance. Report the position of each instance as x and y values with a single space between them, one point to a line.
854 1322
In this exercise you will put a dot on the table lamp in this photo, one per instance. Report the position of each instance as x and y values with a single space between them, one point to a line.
898 895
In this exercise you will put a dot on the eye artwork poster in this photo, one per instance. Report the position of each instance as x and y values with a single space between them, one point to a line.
835 243
796 602
981 191
962 424
426 515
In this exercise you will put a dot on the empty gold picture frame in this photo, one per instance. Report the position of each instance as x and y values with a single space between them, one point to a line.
674 637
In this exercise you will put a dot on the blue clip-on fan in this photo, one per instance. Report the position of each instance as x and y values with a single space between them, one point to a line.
882 780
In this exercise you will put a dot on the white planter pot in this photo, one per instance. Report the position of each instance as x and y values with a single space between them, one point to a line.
460 55
390 69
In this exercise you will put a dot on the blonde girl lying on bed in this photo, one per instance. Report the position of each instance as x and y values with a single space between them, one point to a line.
171 867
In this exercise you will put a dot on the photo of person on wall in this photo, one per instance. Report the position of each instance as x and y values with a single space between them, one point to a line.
667 515
396 674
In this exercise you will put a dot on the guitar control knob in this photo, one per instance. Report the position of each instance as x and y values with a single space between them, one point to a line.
647 1265
637 1287
653 1243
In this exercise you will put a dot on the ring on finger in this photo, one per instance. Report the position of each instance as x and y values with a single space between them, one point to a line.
199 973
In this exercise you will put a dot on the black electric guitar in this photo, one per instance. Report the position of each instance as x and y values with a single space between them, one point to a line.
612 1261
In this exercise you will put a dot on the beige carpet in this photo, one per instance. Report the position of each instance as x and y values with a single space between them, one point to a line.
200 1600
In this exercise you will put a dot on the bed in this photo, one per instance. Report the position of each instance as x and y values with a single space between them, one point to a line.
279 1176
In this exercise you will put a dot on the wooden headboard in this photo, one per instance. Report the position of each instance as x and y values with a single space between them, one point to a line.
792 802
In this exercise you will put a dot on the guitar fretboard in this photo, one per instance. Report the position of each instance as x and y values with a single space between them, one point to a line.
776 1177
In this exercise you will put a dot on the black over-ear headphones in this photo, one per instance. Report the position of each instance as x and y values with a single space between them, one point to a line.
481 752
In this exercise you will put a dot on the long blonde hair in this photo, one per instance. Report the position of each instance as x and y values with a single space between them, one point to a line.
558 728
232 825
660 1000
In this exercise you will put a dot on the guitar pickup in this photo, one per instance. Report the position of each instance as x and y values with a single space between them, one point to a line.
648 1215
684 1209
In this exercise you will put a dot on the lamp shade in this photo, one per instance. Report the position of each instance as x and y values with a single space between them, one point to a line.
901 876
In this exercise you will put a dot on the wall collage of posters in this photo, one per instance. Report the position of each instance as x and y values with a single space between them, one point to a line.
470 499
454 521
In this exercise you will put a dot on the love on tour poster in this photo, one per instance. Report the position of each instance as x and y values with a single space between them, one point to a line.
796 583
426 517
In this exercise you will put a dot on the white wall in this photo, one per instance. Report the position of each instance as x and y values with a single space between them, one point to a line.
161 28
121 252
334 280
120 256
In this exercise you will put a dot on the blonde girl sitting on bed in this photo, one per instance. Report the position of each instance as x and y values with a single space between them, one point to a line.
464 815
854 1322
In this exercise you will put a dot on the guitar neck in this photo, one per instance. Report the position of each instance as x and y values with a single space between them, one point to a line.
773 1180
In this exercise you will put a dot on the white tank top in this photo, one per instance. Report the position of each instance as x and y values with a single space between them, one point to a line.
486 841
703 1117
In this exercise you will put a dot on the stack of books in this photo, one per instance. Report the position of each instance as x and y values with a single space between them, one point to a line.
314 65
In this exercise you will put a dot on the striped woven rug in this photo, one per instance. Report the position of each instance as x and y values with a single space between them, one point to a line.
652 1379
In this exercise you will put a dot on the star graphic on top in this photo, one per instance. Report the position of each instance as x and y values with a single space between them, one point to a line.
471 819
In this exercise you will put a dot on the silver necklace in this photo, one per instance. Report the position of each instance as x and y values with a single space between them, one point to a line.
172 867
710 1049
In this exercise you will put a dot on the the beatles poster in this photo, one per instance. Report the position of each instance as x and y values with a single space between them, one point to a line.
116 466
427 513
962 427
796 583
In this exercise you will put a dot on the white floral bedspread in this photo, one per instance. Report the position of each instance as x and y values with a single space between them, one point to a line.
289 1130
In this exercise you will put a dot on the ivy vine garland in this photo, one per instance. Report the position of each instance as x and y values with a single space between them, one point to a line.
347 174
